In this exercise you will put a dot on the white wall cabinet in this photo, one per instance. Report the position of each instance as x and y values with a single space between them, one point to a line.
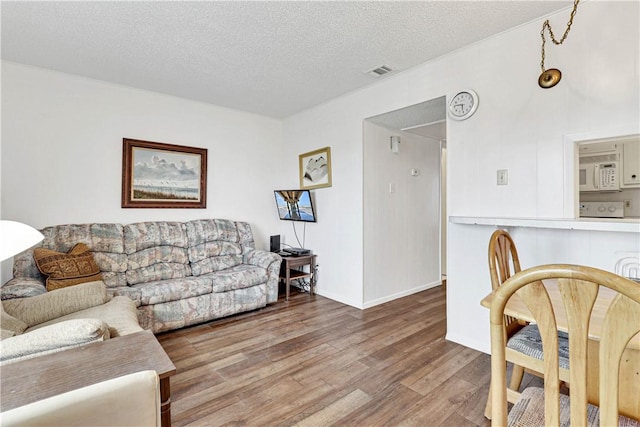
631 163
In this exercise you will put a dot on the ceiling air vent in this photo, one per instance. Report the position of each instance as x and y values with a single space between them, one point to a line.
380 71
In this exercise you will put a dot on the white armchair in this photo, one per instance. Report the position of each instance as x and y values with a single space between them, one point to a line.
62 319
130 400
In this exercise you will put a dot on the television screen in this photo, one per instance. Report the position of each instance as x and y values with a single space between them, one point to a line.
295 205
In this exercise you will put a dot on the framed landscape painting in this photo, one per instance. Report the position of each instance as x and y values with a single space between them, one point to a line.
315 169
157 175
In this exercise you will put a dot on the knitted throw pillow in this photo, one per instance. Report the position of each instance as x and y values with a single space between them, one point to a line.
62 270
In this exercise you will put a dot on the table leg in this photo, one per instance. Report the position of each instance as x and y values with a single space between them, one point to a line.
287 280
313 280
165 402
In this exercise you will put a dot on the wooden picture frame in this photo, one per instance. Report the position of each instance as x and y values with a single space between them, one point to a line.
315 169
158 175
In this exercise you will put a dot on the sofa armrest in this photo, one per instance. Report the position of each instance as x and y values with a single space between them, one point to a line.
54 304
269 261
262 258
22 287
52 338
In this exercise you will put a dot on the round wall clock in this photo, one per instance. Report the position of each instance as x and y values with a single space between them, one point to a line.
463 105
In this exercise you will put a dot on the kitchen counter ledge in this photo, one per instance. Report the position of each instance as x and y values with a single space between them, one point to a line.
624 225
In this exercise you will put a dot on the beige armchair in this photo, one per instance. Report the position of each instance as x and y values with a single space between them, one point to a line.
130 400
63 319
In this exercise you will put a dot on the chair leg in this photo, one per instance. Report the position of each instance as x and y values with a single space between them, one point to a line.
487 408
517 373
516 377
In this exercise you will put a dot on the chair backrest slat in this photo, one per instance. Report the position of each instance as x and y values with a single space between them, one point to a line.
621 324
578 298
537 299
502 255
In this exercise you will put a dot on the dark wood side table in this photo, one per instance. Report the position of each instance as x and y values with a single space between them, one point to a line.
35 379
291 269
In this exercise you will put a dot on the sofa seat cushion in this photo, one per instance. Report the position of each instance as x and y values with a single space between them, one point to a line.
238 277
160 291
120 314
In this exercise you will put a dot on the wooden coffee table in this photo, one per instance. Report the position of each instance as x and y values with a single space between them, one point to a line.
35 379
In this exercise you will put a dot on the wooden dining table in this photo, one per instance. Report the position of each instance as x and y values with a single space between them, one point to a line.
629 383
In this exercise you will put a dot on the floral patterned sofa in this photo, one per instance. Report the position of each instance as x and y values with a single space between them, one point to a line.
177 273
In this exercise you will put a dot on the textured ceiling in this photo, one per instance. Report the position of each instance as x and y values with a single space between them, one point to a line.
270 58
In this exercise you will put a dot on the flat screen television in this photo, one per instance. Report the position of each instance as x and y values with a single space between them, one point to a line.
295 205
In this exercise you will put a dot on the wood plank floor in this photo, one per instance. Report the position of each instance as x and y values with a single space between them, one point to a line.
316 362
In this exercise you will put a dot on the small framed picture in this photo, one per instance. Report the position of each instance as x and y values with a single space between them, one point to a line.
315 169
157 175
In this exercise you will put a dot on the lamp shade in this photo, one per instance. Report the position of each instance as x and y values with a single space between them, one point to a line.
16 237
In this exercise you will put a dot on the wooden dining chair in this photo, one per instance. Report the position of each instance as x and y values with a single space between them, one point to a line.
523 340
579 287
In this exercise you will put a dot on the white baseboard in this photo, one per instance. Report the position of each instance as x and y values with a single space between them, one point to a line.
412 291
482 346
341 299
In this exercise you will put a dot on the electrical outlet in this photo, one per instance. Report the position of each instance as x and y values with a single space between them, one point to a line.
503 176
627 203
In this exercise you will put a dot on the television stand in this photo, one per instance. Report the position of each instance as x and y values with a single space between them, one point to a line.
290 271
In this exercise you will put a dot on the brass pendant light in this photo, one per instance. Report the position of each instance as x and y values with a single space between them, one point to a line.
549 78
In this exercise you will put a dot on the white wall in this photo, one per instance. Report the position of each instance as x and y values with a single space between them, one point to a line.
518 126
62 152
401 225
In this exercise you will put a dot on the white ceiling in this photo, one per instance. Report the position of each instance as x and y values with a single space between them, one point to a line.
271 58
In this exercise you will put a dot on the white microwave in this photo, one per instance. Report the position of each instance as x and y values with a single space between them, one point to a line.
599 176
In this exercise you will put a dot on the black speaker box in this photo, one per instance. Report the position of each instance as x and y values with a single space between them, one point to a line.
275 243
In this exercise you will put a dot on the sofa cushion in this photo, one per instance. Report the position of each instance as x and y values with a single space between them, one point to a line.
144 235
210 230
238 277
157 251
158 271
214 256
215 244
22 287
67 269
246 235
172 290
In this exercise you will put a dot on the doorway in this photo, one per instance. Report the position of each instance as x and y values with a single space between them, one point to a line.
404 201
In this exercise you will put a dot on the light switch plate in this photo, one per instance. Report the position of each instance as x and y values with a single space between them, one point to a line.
503 176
